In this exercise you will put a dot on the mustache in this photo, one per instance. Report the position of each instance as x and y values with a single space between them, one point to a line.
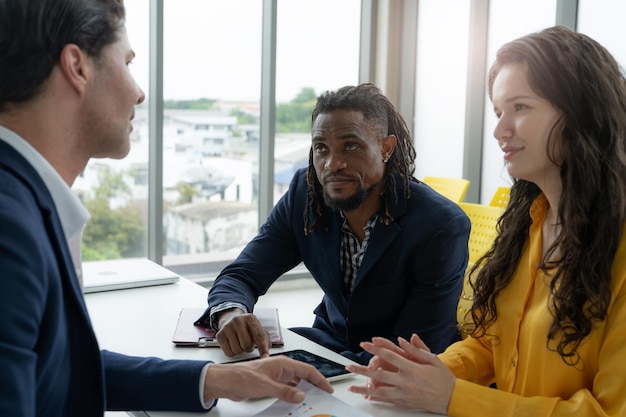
331 177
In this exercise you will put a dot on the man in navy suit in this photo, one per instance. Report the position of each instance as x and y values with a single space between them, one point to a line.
66 95
388 251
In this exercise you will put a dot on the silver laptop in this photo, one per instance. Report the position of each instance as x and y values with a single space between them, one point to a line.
124 273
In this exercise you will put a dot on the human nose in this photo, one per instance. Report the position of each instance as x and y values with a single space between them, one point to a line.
503 129
334 162
142 95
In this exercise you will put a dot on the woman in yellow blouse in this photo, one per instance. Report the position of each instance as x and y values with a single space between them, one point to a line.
549 314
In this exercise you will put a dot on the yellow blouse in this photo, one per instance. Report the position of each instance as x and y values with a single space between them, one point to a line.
532 380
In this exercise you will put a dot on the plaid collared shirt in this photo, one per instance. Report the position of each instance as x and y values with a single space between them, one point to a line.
352 252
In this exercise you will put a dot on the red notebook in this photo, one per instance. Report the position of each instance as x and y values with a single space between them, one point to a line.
188 334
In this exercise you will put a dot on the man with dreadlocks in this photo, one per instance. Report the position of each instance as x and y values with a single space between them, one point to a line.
388 251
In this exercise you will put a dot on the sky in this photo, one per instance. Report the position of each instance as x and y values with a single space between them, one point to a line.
212 48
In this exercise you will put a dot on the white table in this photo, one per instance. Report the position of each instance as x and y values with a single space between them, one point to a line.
141 322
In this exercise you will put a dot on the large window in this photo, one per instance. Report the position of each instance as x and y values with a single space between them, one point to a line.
211 125
215 172
442 37
603 20
211 90
317 50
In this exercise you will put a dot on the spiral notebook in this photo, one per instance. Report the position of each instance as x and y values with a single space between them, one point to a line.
188 334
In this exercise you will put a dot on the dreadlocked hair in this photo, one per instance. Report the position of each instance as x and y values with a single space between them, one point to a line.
377 109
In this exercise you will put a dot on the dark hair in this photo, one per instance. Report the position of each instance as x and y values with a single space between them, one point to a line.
581 79
376 108
33 33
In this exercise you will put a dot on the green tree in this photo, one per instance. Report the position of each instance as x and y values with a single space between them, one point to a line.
186 192
295 116
113 233
244 118
196 104
110 185
305 96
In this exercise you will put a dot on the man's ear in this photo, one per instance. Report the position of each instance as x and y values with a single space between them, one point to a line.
75 66
389 145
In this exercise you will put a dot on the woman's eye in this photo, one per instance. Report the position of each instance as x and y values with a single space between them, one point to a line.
519 107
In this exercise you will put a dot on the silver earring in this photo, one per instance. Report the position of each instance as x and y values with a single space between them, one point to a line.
385 159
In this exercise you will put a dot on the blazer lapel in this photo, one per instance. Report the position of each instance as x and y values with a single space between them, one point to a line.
382 236
330 278
21 168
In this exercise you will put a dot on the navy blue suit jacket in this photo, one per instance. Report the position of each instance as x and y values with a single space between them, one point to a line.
409 281
50 363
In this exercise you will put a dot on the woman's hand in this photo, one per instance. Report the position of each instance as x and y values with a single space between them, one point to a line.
409 375
377 362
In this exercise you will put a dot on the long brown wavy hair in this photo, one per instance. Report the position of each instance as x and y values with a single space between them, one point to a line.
377 109
580 78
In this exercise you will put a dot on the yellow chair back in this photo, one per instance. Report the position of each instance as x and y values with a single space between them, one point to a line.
483 219
500 197
452 188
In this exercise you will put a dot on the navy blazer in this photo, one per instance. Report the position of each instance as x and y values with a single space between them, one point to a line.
409 281
50 363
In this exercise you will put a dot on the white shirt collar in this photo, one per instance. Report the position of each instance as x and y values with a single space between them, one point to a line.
71 211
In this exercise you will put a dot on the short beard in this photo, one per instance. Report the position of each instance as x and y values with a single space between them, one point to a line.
350 203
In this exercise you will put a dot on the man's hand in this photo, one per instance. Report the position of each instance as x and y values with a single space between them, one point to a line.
240 332
271 377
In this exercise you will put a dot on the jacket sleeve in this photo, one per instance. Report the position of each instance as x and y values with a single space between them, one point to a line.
265 258
23 301
432 298
135 383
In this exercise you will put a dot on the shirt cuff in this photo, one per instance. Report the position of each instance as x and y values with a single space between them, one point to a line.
209 403
222 307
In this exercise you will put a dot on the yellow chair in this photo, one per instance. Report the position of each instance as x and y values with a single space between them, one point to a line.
482 234
500 197
452 188
483 219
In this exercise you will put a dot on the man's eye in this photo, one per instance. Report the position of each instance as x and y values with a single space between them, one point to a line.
352 146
